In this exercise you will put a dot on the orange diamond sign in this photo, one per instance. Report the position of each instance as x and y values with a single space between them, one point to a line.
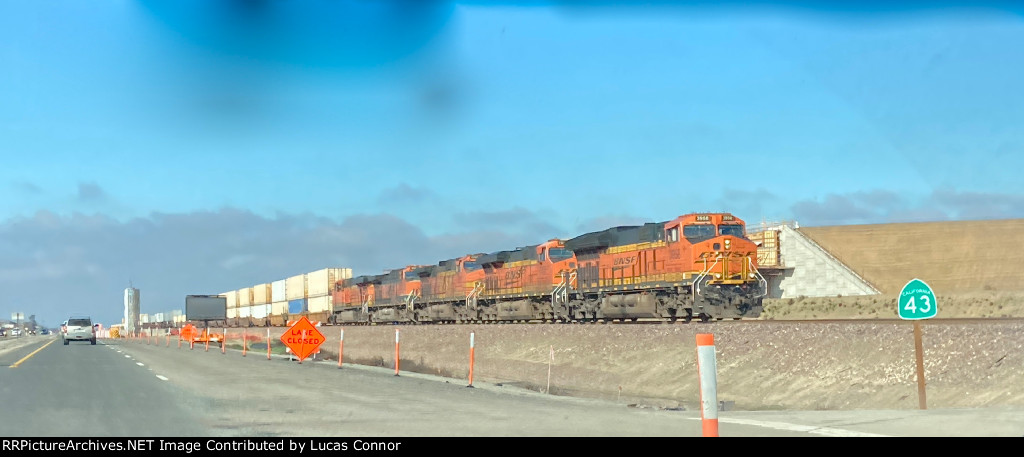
303 338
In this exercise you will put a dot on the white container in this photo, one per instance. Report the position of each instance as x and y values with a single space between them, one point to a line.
232 313
244 297
158 317
295 287
259 311
277 291
321 282
144 318
278 308
244 312
261 294
321 303
231 298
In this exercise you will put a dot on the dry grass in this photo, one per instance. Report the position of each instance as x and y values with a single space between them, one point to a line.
967 305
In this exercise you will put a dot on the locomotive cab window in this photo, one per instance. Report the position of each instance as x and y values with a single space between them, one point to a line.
559 254
673 235
698 233
471 266
542 254
731 229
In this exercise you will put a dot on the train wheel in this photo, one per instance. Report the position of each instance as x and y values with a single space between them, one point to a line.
634 319
705 317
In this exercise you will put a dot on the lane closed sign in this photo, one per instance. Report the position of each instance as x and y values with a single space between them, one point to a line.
303 338
917 301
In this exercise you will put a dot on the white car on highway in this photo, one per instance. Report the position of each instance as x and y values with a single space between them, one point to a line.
78 329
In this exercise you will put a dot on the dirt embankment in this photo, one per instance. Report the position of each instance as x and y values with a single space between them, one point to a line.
772 363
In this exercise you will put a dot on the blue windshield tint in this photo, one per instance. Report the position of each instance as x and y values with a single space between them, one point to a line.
471 266
698 233
734 230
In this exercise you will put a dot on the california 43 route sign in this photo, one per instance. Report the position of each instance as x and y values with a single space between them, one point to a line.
917 301
303 338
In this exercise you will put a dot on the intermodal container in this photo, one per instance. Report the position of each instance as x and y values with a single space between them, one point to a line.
232 313
297 306
278 308
259 311
261 294
244 297
321 282
277 291
231 298
295 287
319 304
244 311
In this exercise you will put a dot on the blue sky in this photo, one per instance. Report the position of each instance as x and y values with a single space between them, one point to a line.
282 137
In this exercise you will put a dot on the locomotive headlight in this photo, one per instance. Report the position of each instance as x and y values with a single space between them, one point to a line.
727 244
718 276
751 276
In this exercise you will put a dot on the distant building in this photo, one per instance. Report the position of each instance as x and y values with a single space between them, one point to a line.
131 310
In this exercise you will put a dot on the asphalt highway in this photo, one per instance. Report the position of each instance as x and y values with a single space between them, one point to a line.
133 389
48 389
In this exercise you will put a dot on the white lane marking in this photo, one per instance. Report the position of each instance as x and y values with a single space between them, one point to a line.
128 356
162 378
139 364
826 431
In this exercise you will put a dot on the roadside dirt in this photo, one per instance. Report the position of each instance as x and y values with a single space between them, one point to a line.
772 363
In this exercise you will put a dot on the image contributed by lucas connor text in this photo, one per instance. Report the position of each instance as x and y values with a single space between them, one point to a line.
289 445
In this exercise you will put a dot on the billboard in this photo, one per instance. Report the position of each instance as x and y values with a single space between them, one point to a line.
206 307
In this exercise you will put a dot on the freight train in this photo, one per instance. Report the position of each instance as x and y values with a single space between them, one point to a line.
698 265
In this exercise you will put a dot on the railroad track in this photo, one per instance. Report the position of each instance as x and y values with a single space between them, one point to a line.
935 321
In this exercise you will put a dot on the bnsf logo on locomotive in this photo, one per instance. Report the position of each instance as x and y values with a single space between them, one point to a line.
727 254
624 261
515 274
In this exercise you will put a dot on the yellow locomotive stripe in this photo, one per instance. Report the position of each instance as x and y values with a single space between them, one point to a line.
635 247
521 263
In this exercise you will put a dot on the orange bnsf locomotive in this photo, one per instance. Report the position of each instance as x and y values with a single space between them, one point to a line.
697 265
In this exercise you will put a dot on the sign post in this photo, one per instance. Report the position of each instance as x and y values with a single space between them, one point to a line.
303 338
18 317
917 302
551 360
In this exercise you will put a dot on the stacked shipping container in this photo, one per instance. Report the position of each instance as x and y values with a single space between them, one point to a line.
277 302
